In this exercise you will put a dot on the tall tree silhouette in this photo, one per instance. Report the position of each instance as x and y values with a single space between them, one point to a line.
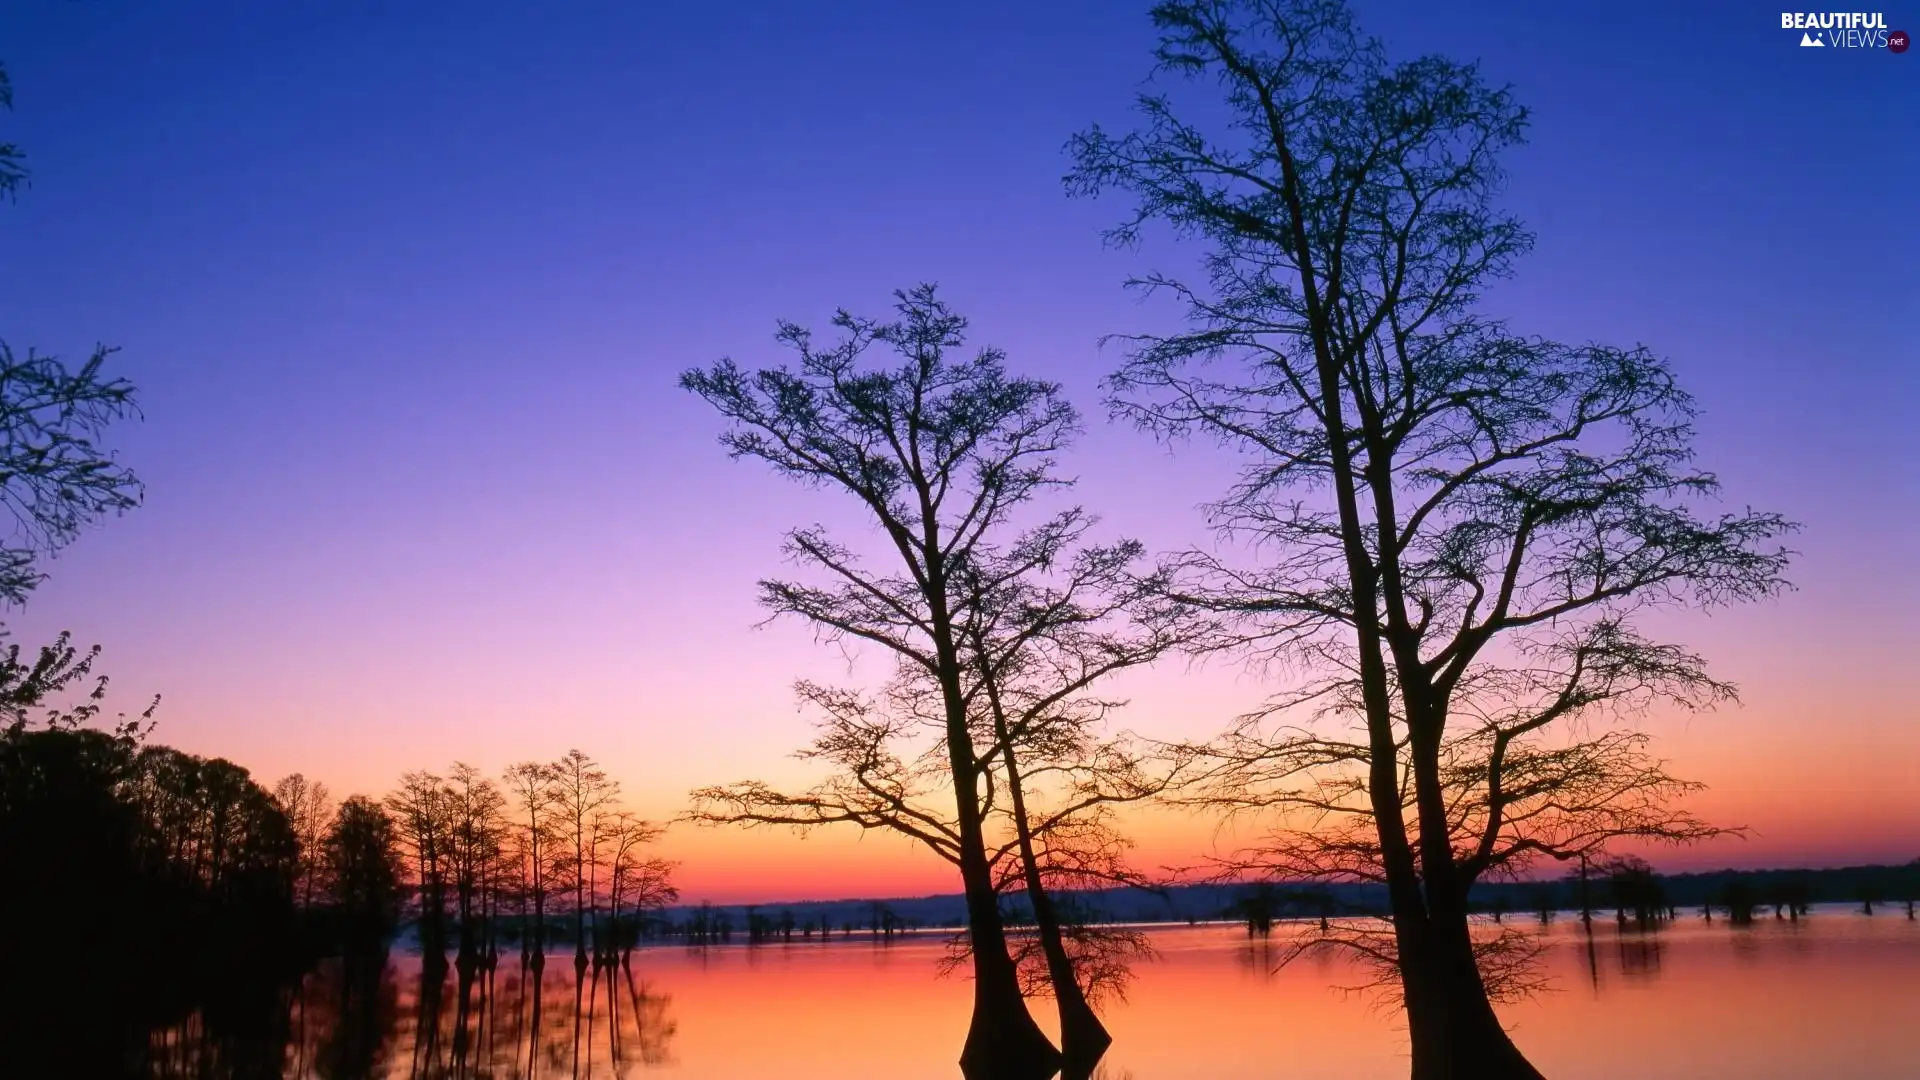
581 790
309 806
530 793
1456 524
423 820
1044 624
940 453
363 857
477 826
633 877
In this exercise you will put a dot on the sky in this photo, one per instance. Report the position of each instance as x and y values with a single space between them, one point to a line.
405 289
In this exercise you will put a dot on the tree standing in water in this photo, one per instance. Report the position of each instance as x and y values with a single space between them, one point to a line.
940 453
1455 525
423 820
581 790
530 791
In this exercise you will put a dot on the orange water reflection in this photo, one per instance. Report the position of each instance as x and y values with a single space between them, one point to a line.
1832 997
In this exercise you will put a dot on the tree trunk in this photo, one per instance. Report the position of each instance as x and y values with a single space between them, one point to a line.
1003 1042
1459 1037
1452 1026
1083 1038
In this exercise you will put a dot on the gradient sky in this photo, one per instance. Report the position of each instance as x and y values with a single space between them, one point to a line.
405 288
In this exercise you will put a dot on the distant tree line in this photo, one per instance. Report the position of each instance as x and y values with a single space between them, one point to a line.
544 853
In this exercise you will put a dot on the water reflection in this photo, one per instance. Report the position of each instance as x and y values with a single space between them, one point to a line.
400 1017
1825 996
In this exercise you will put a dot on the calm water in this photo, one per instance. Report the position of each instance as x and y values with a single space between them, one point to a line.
1836 996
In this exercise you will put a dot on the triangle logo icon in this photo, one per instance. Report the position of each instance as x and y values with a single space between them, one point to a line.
1809 41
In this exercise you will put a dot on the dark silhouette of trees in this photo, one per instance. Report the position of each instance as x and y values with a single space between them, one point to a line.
170 863
477 829
530 791
423 821
362 854
634 879
1455 525
1636 891
1739 897
309 808
1044 623
940 453
581 791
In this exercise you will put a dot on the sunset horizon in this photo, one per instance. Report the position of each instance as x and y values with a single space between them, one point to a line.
1405 466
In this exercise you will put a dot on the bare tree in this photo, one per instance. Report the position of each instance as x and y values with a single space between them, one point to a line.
1045 623
940 453
633 878
530 791
1454 525
309 808
423 820
581 790
476 830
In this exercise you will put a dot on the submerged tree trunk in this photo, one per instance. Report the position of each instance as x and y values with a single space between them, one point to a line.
1459 1037
1454 1031
1083 1038
1003 1041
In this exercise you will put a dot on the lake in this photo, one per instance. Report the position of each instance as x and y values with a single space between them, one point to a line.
1834 996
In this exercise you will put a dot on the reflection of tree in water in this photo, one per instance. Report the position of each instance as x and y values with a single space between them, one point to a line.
373 1018
348 1009
522 1023
243 1032
1639 956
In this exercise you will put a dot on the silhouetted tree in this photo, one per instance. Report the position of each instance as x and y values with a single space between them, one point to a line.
633 878
179 867
423 820
530 789
939 453
1544 900
1259 904
1045 623
1457 523
363 860
309 807
581 790
1739 898
476 830
1636 889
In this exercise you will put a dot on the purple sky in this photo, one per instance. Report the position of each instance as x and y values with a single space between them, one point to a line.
405 288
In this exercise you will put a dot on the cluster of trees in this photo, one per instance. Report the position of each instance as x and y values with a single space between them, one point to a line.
473 858
1443 531
110 844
